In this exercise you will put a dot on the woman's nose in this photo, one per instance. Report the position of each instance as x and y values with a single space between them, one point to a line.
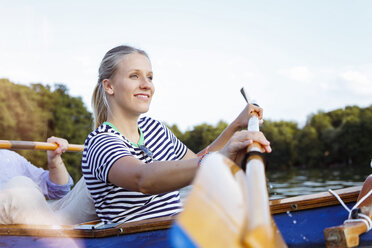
146 83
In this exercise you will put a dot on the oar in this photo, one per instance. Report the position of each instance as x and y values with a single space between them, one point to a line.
242 90
260 229
347 235
32 145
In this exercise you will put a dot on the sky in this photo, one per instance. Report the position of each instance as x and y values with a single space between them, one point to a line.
295 58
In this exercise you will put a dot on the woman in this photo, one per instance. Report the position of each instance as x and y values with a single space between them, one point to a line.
133 166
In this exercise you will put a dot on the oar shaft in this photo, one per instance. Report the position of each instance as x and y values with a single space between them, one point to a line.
258 201
254 123
32 145
254 126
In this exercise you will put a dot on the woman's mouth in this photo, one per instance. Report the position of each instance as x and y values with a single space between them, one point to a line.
142 96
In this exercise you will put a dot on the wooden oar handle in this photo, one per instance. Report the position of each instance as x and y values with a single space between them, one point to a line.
31 145
253 125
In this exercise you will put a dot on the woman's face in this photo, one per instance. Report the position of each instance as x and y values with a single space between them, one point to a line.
131 86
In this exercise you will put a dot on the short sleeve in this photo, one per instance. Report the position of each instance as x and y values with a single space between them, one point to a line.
180 148
103 151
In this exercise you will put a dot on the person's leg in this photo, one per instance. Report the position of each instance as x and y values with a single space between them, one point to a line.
22 202
75 207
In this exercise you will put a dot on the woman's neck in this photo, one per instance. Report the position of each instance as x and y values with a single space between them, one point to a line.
127 126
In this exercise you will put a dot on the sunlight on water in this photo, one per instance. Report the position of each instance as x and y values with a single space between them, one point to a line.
294 182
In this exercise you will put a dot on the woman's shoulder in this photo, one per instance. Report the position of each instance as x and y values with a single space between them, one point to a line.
104 131
149 123
146 120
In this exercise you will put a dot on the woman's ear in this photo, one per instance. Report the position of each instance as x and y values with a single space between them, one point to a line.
107 85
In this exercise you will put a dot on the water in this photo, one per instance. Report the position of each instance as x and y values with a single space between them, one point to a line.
294 182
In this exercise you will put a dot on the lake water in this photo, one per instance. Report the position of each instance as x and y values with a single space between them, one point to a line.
294 182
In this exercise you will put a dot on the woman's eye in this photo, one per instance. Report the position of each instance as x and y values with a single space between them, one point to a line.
134 76
150 78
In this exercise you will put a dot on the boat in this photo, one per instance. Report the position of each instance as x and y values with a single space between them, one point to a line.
301 221
215 210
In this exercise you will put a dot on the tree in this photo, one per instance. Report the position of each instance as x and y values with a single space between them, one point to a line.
36 112
72 121
202 135
176 131
281 135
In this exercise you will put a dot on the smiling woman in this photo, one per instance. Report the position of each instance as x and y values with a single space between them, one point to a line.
131 87
134 165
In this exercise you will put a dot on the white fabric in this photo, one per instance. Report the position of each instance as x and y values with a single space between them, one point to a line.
76 207
12 164
22 202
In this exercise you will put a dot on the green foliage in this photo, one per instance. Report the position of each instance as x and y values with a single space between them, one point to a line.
202 135
281 135
176 131
309 152
37 112
342 137
72 121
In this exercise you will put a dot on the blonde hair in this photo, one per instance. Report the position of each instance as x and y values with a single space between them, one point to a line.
107 70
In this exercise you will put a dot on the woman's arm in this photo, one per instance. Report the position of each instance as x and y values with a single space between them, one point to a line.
241 122
154 178
164 176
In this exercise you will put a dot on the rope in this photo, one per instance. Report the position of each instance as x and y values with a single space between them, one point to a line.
362 217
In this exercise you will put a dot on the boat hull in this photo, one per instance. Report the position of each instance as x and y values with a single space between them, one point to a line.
156 239
213 217
305 228
299 229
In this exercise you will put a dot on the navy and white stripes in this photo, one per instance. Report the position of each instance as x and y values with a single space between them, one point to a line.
103 147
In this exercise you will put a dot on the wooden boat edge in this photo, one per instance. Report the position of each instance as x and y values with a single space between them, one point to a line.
72 231
277 206
316 200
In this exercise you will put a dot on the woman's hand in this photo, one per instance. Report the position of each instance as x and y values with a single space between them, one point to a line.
239 142
57 169
245 115
62 147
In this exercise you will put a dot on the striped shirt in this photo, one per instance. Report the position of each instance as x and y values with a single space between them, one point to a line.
104 146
